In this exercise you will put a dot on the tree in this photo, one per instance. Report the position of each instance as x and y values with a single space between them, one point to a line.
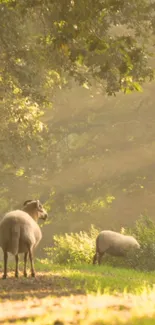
45 43
48 42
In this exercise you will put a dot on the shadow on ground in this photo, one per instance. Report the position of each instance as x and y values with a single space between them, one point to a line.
44 285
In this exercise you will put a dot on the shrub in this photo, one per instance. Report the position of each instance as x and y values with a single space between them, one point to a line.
80 247
73 247
144 232
143 259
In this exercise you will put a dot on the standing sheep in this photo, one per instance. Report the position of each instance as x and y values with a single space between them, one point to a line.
113 243
20 233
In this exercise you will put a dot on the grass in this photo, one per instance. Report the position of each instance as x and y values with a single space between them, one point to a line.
78 294
93 279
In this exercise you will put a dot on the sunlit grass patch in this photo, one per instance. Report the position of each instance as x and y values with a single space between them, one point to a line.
95 279
79 294
86 310
88 278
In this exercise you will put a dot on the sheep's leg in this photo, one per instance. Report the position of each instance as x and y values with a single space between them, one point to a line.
98 258
17 262
32 263
95 258
100 255
25 264
5 265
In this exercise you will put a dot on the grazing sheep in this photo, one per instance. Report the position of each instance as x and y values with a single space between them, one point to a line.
113 243
20 233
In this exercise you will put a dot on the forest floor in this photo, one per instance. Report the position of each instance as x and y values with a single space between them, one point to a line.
80 294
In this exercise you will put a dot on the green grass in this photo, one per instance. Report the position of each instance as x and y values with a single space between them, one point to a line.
80 295
94 279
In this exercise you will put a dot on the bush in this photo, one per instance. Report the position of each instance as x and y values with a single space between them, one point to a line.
143 259
144 232
73 247
80 247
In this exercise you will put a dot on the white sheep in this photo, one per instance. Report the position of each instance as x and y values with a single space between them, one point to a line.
113 243
20 233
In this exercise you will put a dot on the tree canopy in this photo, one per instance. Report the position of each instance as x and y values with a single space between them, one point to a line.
106 41
44 44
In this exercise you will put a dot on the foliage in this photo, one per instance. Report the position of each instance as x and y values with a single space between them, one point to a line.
143 259
75 39
73 248
44 46
80 247
48 44
144 231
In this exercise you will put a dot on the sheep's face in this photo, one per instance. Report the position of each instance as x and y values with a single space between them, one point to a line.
41 211
35 209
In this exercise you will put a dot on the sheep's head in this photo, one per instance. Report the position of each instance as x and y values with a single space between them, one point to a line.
35 209
138 246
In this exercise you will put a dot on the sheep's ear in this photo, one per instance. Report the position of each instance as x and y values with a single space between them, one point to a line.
27 201
37 204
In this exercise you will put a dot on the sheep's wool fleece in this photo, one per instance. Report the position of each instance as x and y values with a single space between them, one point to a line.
108 238
18 231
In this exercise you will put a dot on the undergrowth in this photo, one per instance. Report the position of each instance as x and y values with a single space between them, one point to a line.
79 247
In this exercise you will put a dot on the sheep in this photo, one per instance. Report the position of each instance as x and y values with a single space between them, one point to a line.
20 233
113 243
